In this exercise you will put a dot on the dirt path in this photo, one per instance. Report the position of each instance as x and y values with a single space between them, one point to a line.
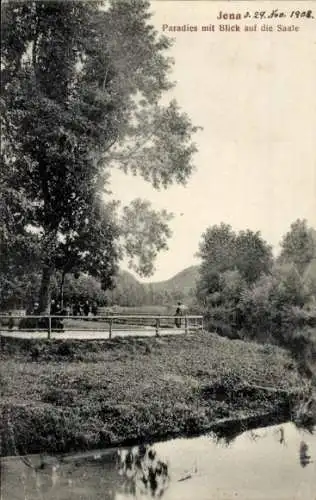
93 334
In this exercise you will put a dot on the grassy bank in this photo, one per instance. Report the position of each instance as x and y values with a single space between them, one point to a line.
63 396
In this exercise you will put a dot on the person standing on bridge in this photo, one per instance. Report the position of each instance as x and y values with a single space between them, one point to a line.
178 315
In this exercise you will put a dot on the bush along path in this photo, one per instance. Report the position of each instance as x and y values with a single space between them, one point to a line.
65 396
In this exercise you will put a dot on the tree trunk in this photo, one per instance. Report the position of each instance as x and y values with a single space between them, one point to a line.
45 290
62 290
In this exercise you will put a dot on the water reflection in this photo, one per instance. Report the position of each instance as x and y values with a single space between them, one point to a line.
282 437
143 472
279 434
305 458
276 460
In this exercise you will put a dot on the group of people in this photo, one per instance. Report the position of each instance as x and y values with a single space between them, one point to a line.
75 309
86 309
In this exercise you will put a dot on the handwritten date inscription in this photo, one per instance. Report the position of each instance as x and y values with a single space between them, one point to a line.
263 14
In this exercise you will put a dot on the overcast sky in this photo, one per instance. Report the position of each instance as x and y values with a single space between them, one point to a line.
254 95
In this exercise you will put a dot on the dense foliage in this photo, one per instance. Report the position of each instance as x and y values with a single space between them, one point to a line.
244 293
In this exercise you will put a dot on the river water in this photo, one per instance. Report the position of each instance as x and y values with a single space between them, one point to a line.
276 462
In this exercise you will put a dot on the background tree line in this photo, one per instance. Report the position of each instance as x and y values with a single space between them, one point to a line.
246 293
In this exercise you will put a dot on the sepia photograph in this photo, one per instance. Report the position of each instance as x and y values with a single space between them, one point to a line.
158 250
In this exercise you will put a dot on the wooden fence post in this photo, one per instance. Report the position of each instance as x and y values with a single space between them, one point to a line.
49 327
185 324
110 328
157 327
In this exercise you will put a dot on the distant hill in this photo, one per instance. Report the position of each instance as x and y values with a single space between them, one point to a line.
129 291
184 280
126 278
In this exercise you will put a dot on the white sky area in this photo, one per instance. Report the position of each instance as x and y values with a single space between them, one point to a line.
254 94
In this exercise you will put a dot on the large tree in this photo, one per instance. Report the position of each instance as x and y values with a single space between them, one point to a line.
82 84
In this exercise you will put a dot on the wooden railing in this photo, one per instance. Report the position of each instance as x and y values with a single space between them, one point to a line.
106 323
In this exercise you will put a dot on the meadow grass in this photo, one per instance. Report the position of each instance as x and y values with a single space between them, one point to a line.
62 396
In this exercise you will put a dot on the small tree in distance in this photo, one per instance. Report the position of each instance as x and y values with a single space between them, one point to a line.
222 250
298 245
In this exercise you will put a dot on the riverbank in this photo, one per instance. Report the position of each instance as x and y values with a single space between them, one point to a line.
65 396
